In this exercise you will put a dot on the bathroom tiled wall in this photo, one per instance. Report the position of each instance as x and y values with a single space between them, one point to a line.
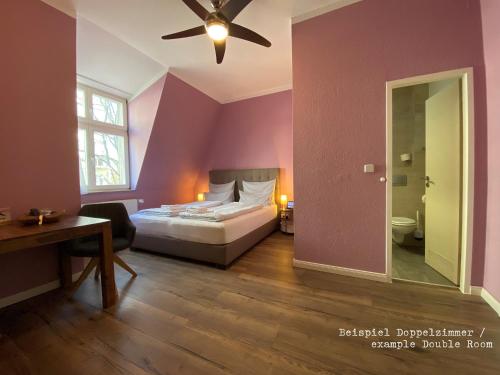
409 138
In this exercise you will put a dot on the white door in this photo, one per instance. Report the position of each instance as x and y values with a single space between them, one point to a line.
443 190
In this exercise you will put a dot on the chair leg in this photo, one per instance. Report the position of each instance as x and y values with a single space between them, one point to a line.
92 264
97 271
124 265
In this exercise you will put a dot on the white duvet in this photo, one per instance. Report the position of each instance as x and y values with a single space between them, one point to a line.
175 209
220 213
211 232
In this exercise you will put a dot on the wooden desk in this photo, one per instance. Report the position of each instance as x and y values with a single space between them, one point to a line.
14 237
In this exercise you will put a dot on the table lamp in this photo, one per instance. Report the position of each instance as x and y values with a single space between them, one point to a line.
284 201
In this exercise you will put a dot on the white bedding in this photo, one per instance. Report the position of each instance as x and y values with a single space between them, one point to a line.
215 233
175 209
220 213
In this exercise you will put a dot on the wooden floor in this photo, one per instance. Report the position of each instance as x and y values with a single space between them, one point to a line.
259 317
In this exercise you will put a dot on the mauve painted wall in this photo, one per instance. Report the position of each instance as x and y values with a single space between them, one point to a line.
141 117
341 62
38 127
176 147
253 133
491 36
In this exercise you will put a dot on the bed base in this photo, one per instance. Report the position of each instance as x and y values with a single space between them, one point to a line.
219 255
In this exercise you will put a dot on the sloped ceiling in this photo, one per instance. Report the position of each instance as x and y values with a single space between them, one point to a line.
102 57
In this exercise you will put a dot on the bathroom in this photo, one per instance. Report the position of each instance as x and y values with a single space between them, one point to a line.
415 108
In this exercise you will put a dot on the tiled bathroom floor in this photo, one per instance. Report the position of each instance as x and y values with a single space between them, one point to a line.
409 264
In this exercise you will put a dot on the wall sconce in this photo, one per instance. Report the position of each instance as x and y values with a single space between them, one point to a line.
284 201
200 197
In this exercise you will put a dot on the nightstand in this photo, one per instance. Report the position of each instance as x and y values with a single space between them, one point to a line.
287 221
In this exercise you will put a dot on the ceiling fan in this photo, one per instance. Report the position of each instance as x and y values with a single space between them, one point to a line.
219 25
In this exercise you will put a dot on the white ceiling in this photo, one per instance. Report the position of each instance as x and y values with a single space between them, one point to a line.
247 70
103 58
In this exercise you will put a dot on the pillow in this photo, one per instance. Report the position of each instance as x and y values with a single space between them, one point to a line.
251 198
224 197
221 188
260 188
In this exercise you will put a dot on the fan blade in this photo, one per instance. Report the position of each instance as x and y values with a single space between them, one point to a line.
220 50
186 33
243 33
233 7
197 8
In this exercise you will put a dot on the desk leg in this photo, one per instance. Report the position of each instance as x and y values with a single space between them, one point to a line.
65 270
109 293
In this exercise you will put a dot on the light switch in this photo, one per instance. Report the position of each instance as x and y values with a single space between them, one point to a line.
369 168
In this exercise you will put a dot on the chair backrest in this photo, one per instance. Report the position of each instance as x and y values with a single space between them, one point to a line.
116 212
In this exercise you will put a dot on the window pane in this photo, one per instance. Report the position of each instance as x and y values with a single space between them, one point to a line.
107 110
80 102
82 153
109 150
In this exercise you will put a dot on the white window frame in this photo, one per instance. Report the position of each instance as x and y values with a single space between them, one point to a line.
90 126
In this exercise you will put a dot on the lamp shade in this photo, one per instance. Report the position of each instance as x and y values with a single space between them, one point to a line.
283 199
200 197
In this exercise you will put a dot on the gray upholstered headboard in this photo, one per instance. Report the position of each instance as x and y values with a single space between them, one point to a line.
223 176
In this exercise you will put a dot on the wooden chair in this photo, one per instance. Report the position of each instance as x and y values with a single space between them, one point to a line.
123 231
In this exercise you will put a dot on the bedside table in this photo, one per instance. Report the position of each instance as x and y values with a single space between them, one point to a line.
286 221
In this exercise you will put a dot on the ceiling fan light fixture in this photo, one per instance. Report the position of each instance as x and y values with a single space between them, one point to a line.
217 30
218 25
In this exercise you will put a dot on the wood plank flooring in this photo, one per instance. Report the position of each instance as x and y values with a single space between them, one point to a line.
261 316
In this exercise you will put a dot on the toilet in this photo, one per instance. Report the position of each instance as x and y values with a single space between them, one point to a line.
402 226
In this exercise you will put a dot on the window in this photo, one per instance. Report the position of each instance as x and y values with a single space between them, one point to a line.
102 140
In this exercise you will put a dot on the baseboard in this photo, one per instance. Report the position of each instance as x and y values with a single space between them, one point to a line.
476 290
488 298
33 292
375 276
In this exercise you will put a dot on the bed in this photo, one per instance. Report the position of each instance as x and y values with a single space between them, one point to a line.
218 243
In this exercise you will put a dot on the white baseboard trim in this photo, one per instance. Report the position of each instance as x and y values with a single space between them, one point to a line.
488 298
375 276
476 290
33 292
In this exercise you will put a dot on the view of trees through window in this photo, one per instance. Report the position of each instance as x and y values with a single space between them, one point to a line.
108 151
107 110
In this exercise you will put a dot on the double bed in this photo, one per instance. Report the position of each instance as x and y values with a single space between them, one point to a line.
218 243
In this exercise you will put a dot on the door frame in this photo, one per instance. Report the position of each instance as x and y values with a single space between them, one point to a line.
467 209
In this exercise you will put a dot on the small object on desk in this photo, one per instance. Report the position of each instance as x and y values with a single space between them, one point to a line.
5 216
36 216
287 221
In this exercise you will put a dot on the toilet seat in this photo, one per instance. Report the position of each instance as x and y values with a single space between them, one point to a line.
403 221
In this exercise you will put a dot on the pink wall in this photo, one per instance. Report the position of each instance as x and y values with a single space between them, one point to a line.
177 146
491 36
253 133
38 127
141 117
341 62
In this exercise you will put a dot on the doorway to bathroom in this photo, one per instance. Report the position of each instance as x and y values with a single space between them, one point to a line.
430 179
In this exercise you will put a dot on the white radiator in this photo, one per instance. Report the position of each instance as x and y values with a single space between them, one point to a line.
130 204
